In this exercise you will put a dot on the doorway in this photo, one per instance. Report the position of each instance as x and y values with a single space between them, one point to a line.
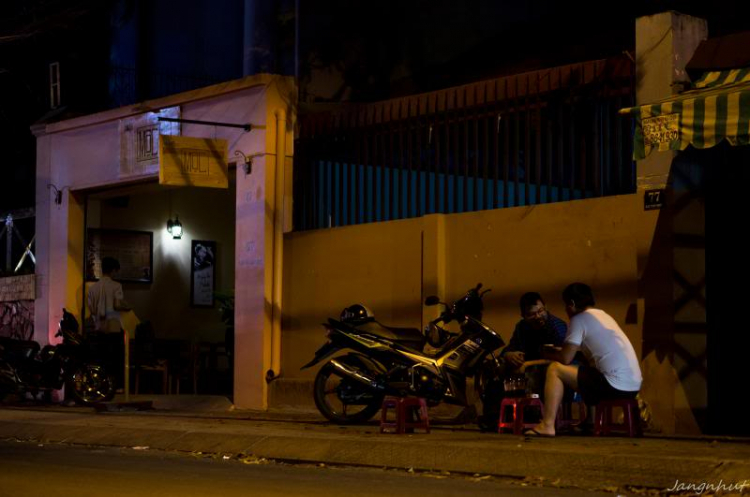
727 281
190 349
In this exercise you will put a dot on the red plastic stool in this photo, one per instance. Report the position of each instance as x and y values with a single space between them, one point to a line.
565 419
604 425
411 413
518 404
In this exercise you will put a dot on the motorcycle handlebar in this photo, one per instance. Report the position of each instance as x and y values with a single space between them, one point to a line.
448 314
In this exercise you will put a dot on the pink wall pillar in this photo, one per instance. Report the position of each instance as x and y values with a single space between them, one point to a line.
263 214
41 245
252 278
58 246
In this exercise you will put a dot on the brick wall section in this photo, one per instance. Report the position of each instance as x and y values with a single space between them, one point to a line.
14 288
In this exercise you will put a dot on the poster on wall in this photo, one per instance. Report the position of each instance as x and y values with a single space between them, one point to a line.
132 249
202 274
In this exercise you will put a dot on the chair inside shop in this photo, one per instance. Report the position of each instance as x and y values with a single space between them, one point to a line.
146 361
213 368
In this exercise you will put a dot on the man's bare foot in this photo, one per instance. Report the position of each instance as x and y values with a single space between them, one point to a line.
544 430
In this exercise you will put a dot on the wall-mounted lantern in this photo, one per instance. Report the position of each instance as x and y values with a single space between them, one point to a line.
175 228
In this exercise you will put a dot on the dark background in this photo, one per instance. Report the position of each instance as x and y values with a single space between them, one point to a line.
117 52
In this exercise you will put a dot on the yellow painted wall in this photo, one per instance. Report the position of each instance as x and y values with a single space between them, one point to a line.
74 275
378 265
391 266
544 248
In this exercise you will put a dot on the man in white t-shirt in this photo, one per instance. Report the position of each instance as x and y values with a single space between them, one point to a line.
614 371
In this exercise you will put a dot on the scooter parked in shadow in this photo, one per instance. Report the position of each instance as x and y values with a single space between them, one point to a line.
27 368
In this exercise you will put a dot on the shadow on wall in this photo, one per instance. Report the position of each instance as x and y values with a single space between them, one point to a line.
673 287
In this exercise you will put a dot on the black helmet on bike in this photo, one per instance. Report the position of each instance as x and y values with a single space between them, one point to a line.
357 314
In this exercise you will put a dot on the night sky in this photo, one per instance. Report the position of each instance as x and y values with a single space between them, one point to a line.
381 49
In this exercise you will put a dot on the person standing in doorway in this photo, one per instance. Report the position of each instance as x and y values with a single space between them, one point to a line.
106 300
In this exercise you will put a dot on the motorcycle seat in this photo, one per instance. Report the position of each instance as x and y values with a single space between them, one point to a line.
19 348
411 337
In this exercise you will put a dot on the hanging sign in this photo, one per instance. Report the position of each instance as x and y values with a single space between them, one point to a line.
660 129
189 161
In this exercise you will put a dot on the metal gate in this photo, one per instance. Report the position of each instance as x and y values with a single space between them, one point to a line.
546 136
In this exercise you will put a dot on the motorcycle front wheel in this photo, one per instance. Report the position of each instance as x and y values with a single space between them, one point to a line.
90 384
343 400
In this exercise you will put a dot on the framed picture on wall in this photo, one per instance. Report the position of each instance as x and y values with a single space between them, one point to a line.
202 273
134 251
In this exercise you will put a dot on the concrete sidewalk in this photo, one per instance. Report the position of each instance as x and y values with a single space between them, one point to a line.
211 425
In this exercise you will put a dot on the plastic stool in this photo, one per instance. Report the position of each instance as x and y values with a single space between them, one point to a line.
565 418
518 404
603 424
411 413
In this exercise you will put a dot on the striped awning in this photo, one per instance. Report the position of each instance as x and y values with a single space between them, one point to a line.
713 79
718 109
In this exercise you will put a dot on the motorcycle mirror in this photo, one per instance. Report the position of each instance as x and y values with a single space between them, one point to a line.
432 300
478 287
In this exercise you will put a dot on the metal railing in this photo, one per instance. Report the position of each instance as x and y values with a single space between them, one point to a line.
16 242
547 136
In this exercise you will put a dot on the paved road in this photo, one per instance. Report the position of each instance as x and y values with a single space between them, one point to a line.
31 469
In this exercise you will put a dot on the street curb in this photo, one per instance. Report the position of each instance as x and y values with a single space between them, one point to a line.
512 457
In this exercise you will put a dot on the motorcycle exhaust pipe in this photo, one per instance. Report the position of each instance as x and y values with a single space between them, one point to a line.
349 372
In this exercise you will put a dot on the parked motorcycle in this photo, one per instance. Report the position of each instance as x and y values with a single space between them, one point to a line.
25 368
390 361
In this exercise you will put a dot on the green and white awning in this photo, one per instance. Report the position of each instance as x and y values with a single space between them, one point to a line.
718 110
713 79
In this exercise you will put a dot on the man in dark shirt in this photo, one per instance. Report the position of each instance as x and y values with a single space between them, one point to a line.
537 328
523 355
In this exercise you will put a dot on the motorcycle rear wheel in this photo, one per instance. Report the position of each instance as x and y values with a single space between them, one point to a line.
90 384
330 387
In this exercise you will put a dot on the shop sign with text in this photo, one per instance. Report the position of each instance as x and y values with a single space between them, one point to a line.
661 129
189 161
